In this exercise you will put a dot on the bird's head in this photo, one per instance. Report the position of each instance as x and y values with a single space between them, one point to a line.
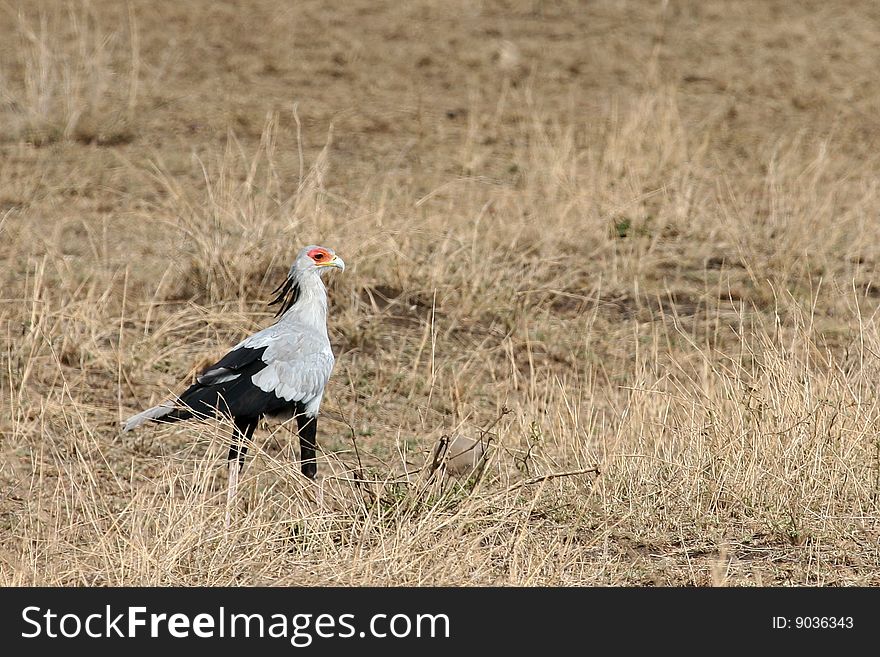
312 261
316 259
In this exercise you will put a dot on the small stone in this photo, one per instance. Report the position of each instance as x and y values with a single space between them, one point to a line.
463 455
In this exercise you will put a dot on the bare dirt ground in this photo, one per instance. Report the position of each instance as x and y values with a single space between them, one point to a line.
632 244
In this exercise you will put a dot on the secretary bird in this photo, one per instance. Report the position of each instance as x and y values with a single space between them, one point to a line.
279 372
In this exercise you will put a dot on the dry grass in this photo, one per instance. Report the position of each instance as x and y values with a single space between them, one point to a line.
65 85
634 244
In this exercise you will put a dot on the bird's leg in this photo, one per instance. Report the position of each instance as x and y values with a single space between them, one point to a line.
238 449
241 434
308 431
231 492
319 494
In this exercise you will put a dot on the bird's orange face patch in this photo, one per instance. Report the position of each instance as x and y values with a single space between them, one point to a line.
320 256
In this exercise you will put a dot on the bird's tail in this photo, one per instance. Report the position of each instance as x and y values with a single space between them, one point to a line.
154 413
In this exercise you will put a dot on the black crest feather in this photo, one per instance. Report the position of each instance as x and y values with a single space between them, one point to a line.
287 294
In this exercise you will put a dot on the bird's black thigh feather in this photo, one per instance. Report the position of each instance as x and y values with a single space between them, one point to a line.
308 431
241 436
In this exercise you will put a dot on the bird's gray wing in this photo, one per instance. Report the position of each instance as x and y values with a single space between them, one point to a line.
297 366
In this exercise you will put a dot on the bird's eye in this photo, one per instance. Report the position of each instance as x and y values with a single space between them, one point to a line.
318 256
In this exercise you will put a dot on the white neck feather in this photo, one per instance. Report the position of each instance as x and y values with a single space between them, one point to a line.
311 306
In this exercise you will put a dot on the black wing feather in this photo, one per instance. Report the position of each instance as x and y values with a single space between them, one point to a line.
233 362
236 397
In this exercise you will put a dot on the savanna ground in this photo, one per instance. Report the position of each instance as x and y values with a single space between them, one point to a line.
632 245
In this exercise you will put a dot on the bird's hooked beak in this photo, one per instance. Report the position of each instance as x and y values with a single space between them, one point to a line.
336 262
